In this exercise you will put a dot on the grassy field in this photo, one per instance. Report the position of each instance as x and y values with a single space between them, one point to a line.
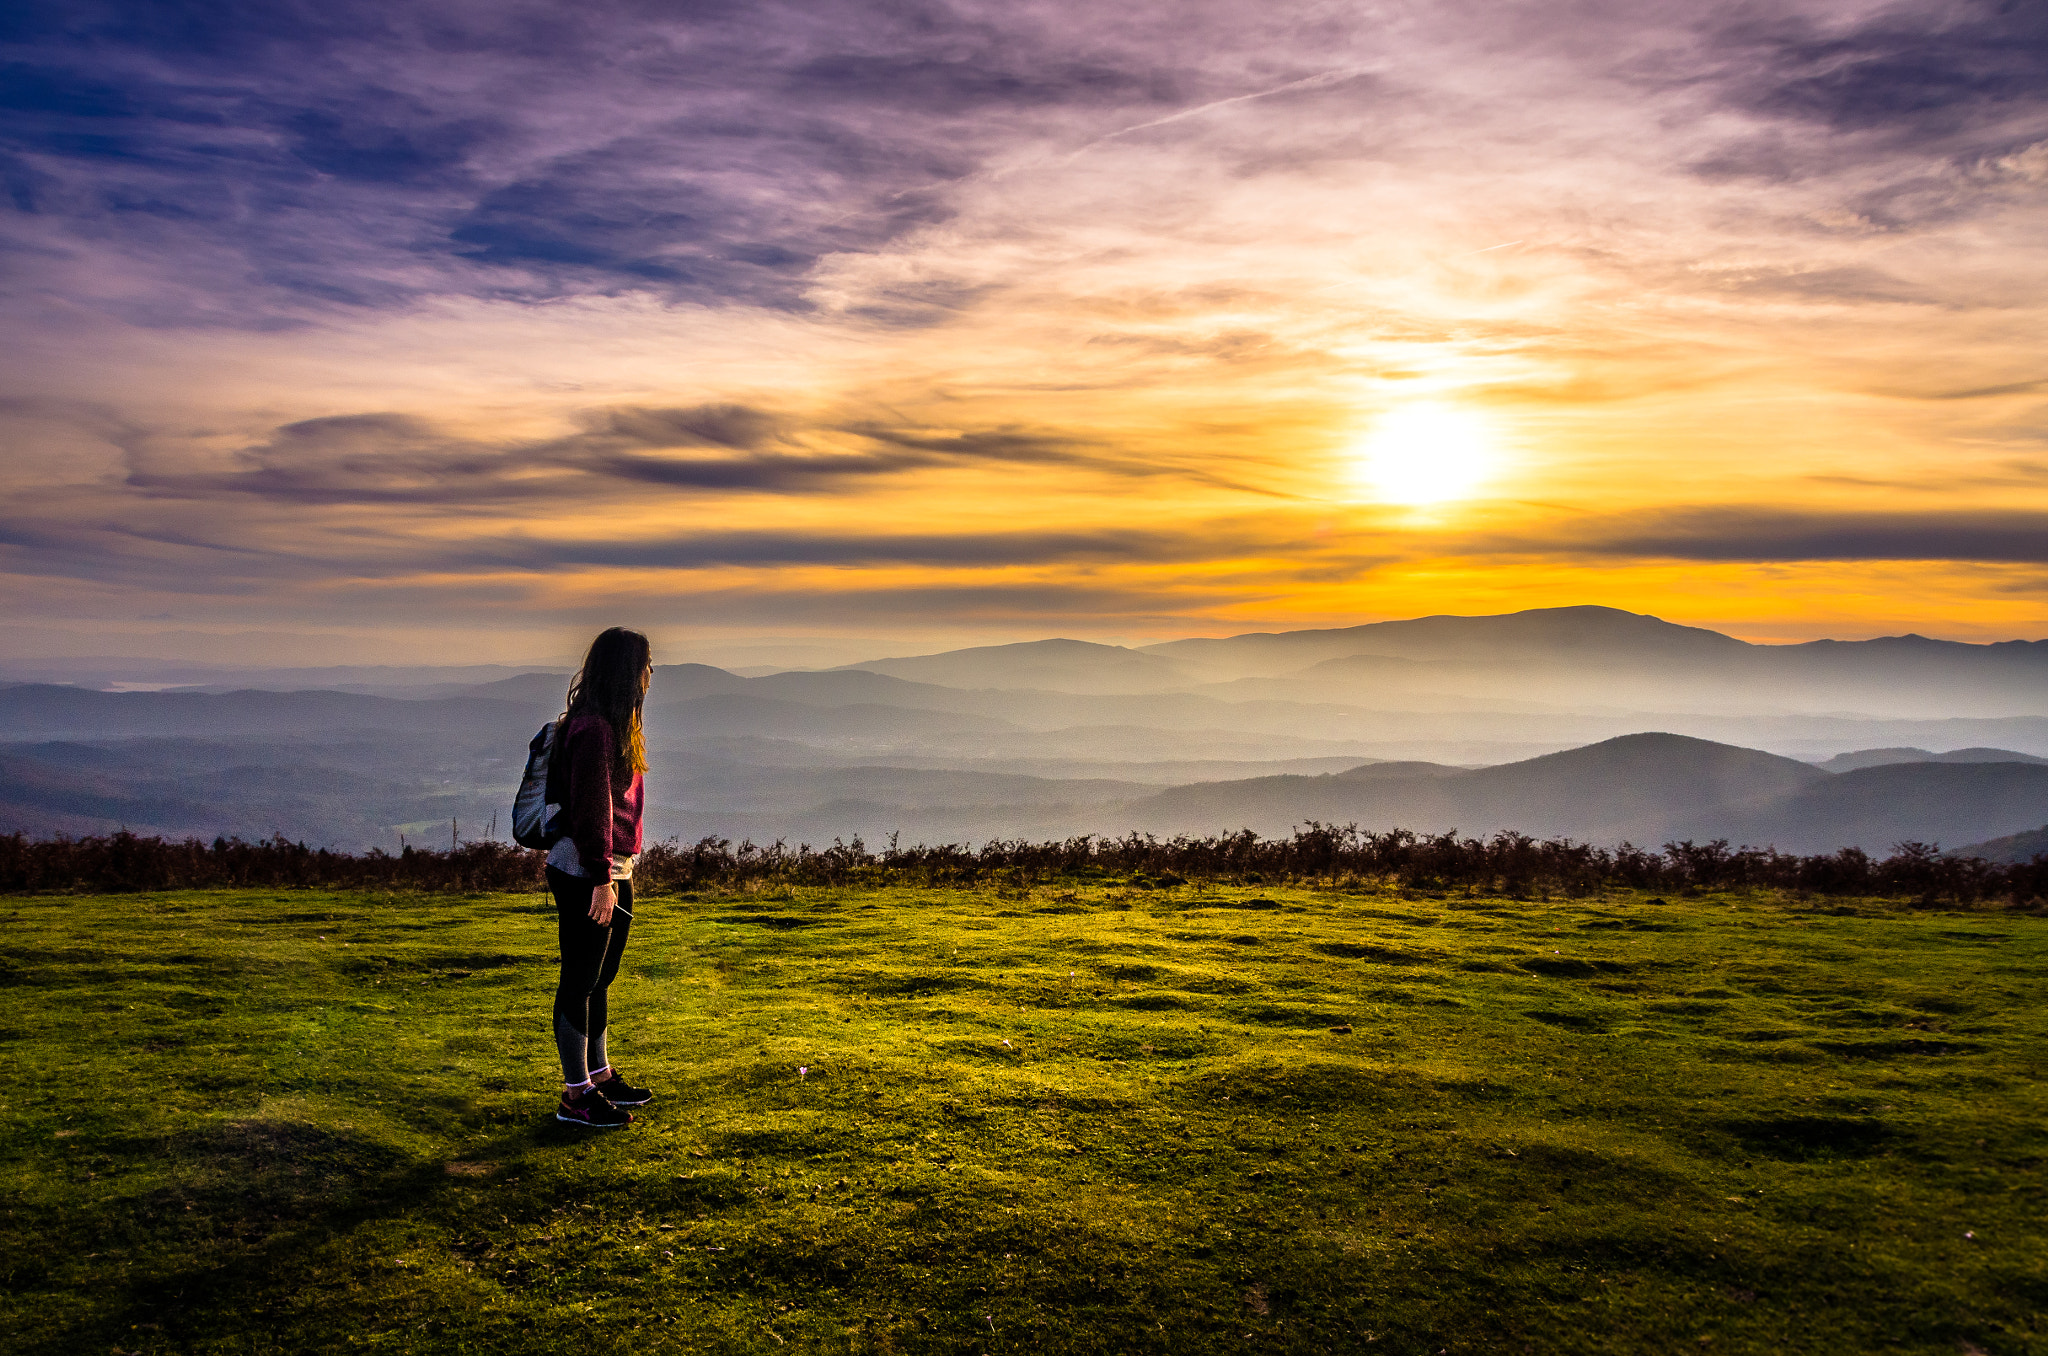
1099 1119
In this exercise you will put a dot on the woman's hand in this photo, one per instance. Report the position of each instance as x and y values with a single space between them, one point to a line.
602 900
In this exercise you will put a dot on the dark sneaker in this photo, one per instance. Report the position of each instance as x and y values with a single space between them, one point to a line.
590 1108
619 1092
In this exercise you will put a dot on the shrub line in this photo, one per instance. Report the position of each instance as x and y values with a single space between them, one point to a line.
1323 854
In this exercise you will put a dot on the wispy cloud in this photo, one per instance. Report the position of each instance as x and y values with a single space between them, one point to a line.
399 459
1759 532
466 307
362 155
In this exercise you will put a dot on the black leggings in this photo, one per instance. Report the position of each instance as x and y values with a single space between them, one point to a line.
590 962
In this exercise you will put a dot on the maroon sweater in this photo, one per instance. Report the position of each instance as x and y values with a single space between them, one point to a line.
604 812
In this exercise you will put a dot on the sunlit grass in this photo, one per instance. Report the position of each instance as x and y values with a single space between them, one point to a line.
1097 1119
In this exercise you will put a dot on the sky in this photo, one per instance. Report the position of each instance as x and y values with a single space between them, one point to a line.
443 332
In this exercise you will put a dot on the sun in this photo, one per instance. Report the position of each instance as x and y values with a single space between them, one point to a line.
1427 453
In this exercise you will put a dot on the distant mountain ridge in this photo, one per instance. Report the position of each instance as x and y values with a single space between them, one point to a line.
1570 656
1862 758
1586 631
2017 847
1042 665
1645 788
42 710
1533 721
1556 633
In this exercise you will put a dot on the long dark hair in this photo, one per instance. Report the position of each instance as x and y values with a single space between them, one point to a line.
612 684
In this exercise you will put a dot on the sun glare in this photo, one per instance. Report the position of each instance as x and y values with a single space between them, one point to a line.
1426 454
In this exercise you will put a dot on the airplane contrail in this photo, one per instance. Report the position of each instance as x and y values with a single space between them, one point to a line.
1307 82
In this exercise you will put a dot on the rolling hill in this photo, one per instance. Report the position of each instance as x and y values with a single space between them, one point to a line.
2016 847
1646 788
1042 665
1642 787
1533 721
1573 635
1876 807
50 711
1862 758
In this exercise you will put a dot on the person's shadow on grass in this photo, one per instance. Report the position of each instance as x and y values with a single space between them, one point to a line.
265 1200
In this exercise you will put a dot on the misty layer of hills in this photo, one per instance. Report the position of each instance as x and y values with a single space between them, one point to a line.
1585 722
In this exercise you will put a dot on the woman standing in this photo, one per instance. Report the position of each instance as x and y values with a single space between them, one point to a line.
594 769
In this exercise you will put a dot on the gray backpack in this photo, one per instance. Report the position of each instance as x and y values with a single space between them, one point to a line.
535 823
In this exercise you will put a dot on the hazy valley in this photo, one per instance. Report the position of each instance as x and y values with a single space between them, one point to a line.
1581 722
